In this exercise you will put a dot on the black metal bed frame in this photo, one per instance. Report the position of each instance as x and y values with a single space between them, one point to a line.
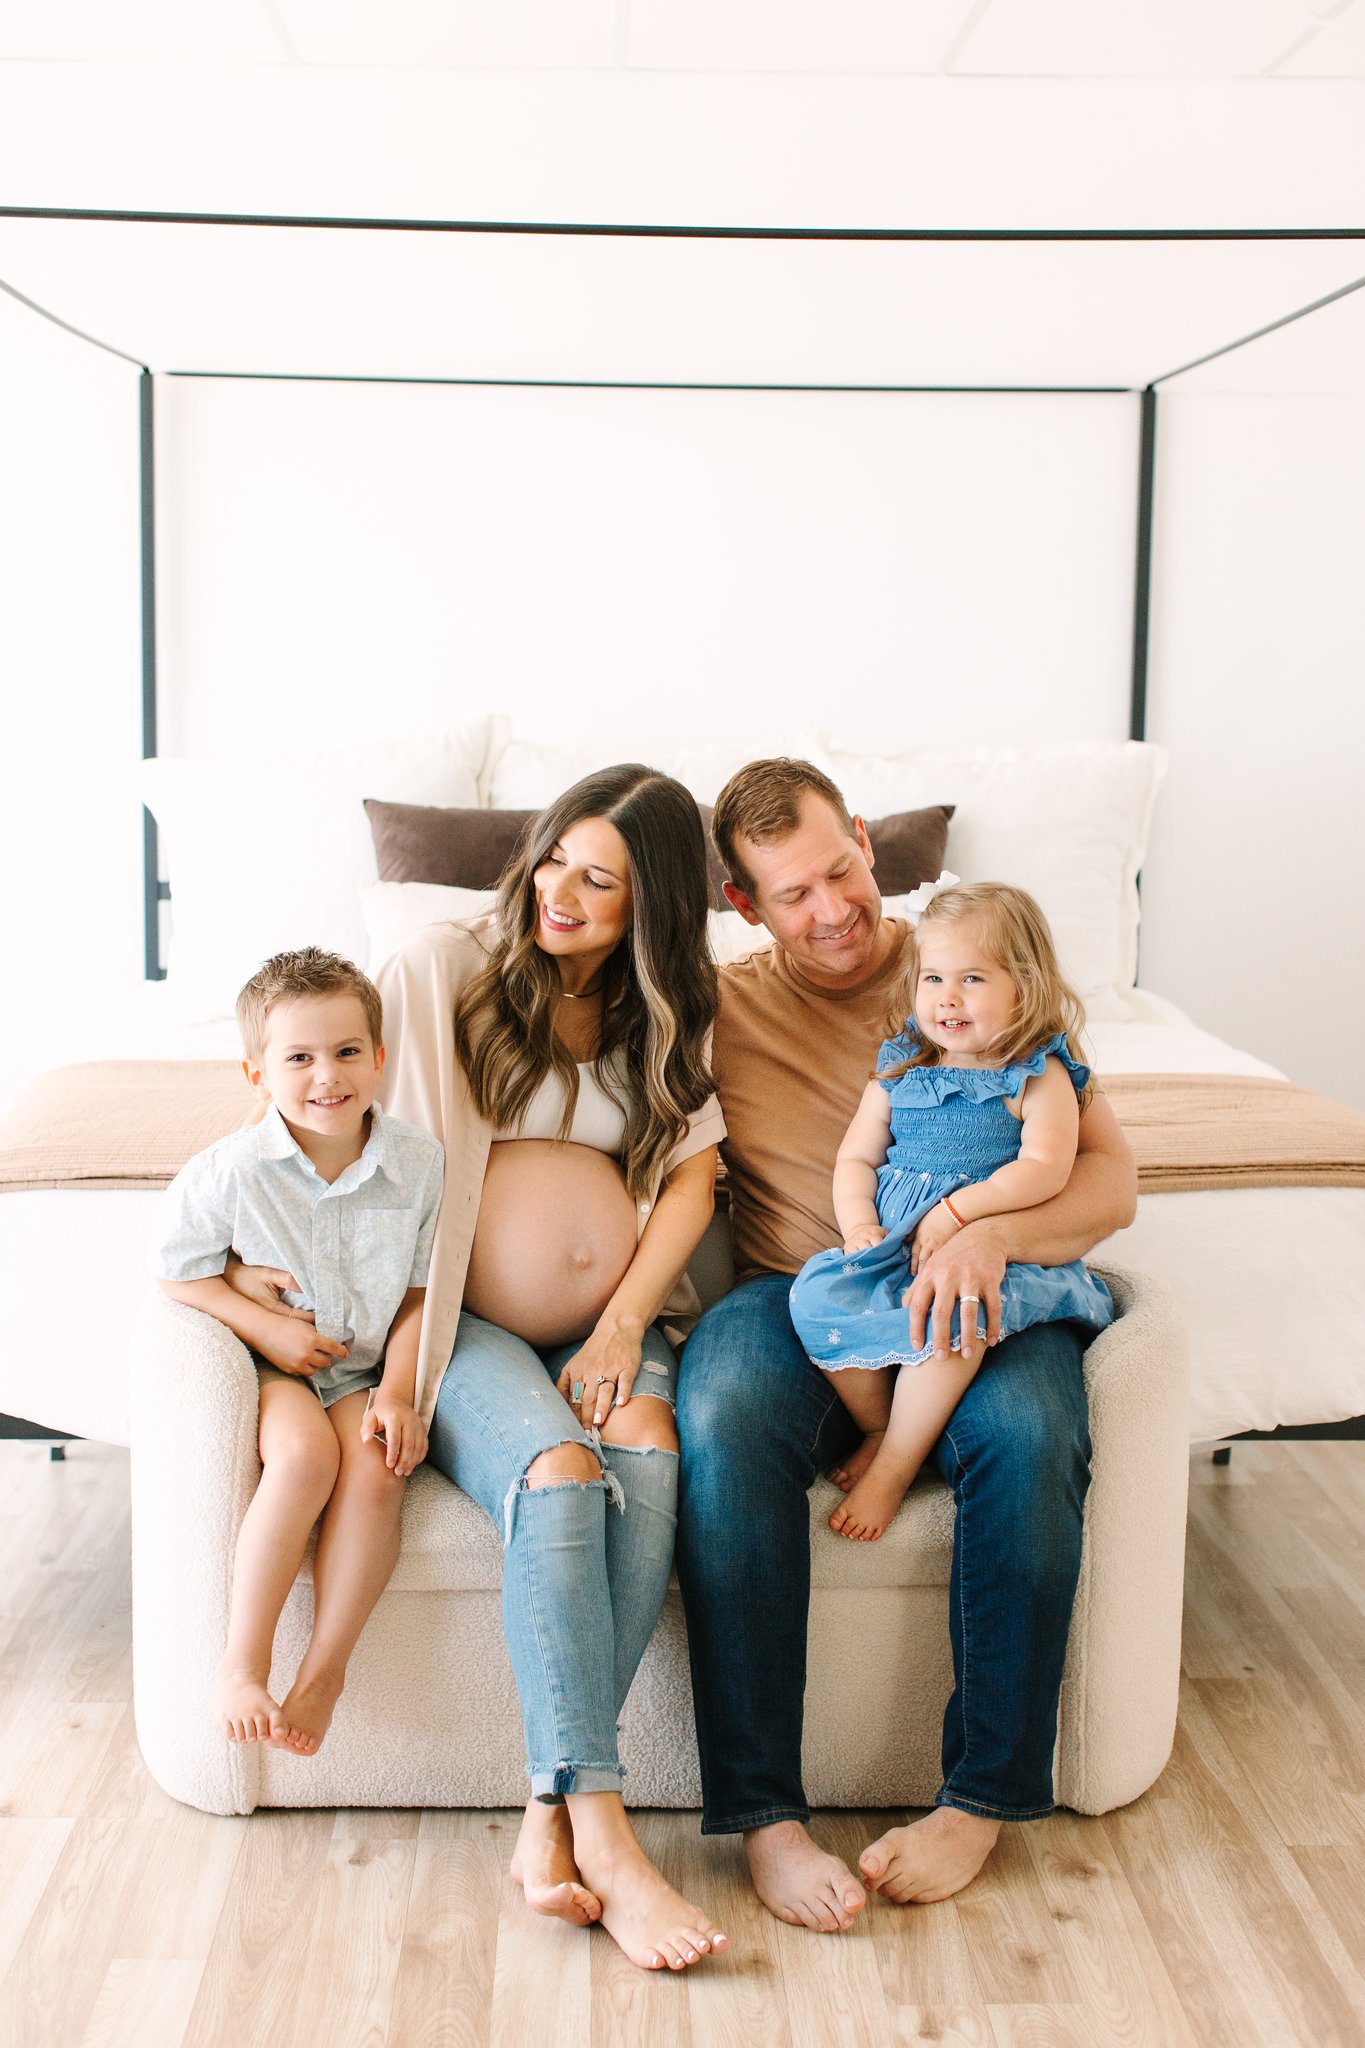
156 892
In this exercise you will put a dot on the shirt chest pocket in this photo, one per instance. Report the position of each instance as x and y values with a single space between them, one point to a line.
379 1230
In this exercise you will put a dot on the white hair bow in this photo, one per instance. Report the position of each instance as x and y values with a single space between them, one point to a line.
918 901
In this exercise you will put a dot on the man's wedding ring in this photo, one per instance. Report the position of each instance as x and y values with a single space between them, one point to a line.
965 1298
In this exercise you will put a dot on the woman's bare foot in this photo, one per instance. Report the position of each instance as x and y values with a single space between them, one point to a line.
850 1470
543 1865
242 1708
931 1858
305 1714
871 1507
800 1882
656 1927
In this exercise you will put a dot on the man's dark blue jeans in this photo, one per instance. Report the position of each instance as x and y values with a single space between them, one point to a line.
758 1424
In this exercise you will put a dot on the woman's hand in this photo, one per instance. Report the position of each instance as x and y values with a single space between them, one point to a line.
931 1233
264 1285
292 1345
602 1373
396 1424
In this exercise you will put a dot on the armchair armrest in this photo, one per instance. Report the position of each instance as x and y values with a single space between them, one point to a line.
1122 1678
194 1470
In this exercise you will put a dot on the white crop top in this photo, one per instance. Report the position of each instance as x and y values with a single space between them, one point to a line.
597 1120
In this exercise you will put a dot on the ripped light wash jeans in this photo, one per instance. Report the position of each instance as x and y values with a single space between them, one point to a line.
585 1564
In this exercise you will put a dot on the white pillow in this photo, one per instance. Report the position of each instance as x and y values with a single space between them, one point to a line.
1069 824
393 911
267 852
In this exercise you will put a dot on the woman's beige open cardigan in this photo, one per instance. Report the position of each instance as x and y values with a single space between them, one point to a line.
424 1084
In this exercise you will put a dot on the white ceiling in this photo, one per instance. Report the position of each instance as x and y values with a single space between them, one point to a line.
1161 39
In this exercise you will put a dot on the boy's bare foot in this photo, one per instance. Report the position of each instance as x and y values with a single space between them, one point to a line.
656 1927
800 1882
931 1858
871 1507
543 1865
305 1714
850 1470
242 1708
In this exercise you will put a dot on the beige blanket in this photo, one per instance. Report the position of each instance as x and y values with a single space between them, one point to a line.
1235 1131
119 1123
134 1123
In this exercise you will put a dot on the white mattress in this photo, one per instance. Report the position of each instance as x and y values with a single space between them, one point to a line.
73 1265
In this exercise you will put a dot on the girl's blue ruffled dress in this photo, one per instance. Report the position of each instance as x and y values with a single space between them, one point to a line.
949 1126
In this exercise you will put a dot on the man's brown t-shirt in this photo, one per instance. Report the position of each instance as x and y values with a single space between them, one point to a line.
790 1062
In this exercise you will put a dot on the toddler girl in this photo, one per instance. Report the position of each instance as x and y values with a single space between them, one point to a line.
973 1110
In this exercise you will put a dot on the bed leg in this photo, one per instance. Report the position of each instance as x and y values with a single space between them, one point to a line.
1223 1455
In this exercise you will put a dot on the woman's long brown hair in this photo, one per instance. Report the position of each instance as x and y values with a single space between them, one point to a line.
659 997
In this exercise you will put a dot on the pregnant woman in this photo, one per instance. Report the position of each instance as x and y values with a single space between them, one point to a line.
558 1049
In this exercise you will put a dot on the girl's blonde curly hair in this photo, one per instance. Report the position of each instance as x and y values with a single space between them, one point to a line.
1015 934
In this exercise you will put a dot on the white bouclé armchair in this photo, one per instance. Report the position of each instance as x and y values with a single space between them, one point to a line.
429 1716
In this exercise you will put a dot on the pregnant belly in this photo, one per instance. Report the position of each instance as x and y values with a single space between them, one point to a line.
556 1231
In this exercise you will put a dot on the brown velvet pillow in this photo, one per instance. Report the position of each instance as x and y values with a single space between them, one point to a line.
908 848
463 849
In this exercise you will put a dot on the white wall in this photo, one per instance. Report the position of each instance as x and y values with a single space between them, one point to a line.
70 683
336 558
1259 526
1253 889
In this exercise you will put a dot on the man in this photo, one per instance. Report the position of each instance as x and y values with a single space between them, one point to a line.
795 1038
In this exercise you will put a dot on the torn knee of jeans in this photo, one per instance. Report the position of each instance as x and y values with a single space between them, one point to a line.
570 1478
606 1482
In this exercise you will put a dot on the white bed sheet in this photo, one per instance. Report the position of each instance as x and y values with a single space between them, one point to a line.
1246 1264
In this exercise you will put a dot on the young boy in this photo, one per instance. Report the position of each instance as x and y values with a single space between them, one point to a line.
344 1199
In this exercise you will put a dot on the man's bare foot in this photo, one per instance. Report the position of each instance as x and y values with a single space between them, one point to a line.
305 1713
543 1865
931 1858
800 1882
656 1927
871 1507
242 1708
850 1470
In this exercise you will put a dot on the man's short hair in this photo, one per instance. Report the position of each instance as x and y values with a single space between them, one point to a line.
762 804
308 972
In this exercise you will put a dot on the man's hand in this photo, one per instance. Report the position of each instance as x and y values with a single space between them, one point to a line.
863 1238
603 1371
931 1234
969 1267
294 1346
398 1427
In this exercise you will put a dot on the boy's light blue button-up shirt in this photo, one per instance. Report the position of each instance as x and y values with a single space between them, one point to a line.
354 1246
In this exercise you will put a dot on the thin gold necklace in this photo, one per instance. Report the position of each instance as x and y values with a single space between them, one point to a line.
582 995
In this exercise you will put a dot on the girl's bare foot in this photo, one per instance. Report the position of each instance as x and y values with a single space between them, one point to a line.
652 1924
871 1506
242 1708
799 1881
543 1865
850 1470
931 1858
305 1714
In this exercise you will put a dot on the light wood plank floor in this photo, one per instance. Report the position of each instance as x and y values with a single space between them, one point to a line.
1225 1907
